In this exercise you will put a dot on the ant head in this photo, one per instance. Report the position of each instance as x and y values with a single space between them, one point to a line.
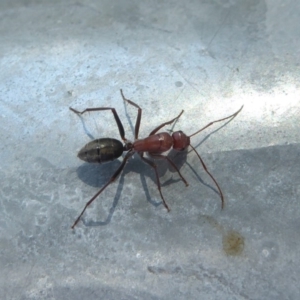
180 140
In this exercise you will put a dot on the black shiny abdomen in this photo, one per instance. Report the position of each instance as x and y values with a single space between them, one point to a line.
101 150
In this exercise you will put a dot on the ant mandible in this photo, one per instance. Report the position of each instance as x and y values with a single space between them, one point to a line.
108 149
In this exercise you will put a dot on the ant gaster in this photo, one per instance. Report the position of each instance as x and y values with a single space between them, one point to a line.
108 149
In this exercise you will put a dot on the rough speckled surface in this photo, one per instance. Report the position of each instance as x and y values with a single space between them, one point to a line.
206 57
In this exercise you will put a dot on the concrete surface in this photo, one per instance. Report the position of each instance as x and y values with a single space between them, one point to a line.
206 57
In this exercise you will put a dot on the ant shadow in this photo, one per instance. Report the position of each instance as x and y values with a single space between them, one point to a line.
98 175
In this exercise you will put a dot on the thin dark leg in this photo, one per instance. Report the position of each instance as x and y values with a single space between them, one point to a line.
231 116
171 163
118 121
153 165
166 123
214 180
111 180
139 115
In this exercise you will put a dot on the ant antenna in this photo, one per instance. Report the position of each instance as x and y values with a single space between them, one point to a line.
210 175
201 160
231 116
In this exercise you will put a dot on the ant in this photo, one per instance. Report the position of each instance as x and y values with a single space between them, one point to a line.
107 149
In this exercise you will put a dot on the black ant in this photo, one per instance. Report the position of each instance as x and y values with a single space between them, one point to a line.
108 149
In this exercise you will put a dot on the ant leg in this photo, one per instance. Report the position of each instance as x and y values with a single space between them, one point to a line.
117 119
214 180
166 123
171 163
139 115
231 116
153 165
111 180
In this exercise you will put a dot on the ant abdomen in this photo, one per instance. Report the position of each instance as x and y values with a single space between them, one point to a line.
101 150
